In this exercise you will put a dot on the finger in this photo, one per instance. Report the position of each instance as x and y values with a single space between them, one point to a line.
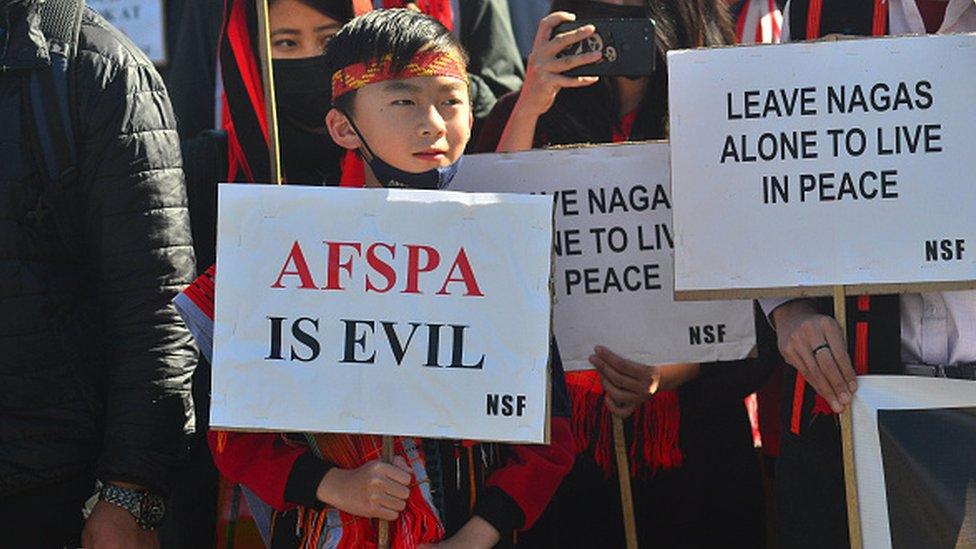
563 64
618 410
623 382
811 371
396 474
575 81
395 490
825 360
839 349
624 366
402 464
620 396
389 502
548 23
566 39
383 513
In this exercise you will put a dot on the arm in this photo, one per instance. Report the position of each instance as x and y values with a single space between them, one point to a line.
139 251
495 65
284 475
543 79
517 493
628 383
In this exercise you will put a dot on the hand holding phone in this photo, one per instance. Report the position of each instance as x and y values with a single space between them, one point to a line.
627 47
545 71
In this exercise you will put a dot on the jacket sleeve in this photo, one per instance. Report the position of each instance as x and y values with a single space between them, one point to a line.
495 65
138 250
517 493
282 474
723 383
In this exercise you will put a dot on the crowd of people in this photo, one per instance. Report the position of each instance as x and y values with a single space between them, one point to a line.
108 211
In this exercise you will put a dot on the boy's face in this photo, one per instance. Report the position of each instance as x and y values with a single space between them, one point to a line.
415 124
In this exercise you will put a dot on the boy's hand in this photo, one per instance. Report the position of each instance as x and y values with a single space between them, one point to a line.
477 532
373 490
813 344
543 78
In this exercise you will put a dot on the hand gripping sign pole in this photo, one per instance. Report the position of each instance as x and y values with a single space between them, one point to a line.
274 152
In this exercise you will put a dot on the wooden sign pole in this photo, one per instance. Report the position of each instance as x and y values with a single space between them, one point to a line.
267 75
383 534
847 437
623 474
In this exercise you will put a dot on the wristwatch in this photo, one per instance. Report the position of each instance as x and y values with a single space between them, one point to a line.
147 508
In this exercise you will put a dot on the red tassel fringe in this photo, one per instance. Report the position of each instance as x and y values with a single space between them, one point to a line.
655 424
416 525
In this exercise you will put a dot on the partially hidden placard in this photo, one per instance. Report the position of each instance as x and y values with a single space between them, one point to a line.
141 20
614 250
826 163
398 312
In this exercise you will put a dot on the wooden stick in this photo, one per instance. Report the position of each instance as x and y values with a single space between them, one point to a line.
267 76
847 438
383 541
623 474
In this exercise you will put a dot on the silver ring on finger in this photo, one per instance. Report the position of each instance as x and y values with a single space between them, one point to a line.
820 347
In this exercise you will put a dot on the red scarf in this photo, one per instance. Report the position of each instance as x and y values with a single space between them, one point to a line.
438 9
418 523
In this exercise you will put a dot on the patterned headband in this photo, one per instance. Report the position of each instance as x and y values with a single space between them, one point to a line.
425 63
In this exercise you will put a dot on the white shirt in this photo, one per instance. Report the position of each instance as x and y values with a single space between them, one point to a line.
937 327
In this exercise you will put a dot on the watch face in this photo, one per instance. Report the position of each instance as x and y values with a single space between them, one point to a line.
152 510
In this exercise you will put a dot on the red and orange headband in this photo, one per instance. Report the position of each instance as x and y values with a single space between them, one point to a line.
425 63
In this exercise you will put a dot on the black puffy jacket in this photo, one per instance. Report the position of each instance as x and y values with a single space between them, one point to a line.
95 364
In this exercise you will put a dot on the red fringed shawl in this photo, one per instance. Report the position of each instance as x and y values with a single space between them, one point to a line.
654 426
417 524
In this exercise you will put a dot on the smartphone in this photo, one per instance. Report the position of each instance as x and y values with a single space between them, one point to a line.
628 47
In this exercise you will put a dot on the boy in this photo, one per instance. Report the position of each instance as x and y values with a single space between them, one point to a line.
400 94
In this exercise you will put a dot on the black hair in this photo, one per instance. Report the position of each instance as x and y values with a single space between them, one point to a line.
340 10
589 115
398 33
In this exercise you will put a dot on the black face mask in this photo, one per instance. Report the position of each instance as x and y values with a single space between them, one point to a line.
590 9
302 90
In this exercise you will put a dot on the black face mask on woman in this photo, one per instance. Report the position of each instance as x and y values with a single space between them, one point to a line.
302 90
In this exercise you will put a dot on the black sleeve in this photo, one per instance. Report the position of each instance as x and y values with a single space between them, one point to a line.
495 66
138 246
721 383
303 481
204 167
191 74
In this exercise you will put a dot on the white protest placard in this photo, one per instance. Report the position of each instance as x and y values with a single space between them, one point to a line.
143 21
382 311
613 249
821 164
914 448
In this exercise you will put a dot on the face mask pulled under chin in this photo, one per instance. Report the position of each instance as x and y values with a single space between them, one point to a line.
390 176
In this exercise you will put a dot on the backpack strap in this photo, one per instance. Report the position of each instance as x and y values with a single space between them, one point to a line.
47 95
